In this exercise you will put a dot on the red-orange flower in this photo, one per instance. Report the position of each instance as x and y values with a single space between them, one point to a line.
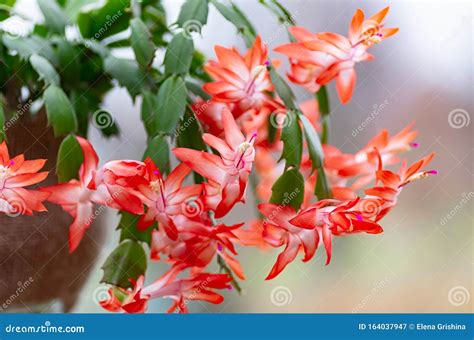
243 80
227 173
392 183
199 286
360 168
198 244
105 187
15 174
303 230
320 58
165 197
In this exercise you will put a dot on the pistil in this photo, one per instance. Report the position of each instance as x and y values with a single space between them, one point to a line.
253 77
244 147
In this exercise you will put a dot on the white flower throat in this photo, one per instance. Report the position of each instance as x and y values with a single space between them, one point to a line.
5 172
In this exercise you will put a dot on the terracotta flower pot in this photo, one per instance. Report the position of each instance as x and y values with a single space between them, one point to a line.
35 265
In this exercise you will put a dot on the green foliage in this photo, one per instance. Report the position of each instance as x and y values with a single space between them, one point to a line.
44 69
179 55
4 12
291 134
142 43
193 11
127 261
289 189
2 124
158 150
322 189
73 7
126 72
234 15
323 100
70 158
171 104
69 59
292 138
129 231
101 22
189 135
282 89
149 112
26 46
284 16
60 112
314 144
54 15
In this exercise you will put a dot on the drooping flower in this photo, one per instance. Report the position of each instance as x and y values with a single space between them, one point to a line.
243 80
227 173
120 299
15 174
278 231
199 286
393 183
104 187
165 197
198 244
320 58
370 31
303 230
360 168
116 180
209 113
305 65
74 196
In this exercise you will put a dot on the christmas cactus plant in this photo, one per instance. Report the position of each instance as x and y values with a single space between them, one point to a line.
215 128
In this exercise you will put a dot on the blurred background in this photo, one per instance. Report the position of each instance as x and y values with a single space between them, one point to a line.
423 262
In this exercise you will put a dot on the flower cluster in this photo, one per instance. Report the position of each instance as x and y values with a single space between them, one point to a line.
317 59
239 124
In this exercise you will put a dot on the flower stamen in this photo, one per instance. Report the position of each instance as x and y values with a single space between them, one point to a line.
158 186
5 172
244 147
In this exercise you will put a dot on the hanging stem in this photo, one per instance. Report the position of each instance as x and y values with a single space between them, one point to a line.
222 265
323 102
323 189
